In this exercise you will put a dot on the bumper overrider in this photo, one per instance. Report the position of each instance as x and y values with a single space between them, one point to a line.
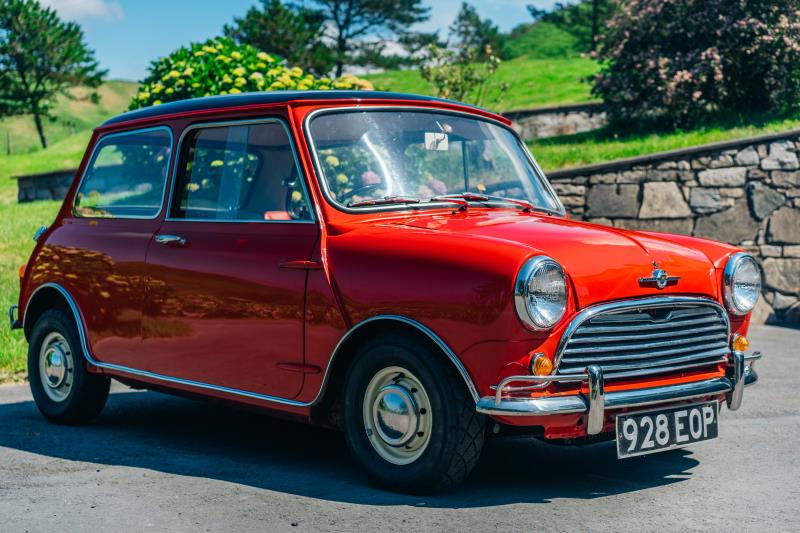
595 404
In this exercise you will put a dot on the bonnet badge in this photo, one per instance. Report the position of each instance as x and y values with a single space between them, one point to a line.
660 278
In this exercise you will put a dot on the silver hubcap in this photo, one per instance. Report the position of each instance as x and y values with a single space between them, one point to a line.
397 415
56 367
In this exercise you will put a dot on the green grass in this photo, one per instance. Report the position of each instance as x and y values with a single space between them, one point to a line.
606 145
74 116
532 82
63 155
19 222
540 40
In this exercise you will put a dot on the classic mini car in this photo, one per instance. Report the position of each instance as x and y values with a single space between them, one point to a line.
395 266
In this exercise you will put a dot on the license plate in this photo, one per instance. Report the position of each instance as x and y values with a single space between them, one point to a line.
659 430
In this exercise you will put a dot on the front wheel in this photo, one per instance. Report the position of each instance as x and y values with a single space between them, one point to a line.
408 419
62 387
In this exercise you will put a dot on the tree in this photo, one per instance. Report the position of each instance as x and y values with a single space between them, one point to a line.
220 66
679 61
582 19
356 24
291 31
463 68
41 57
463 74
471 31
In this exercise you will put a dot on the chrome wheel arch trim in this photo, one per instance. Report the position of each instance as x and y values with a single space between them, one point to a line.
462 370
238 392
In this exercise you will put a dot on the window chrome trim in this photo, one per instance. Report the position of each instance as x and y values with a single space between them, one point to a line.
246 122
323 183
81 326
638 303
91 160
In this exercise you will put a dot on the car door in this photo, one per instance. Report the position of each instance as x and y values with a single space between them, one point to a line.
222 307
98 252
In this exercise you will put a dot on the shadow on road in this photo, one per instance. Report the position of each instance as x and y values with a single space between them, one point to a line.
189 438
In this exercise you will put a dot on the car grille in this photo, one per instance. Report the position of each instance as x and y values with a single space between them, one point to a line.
639 339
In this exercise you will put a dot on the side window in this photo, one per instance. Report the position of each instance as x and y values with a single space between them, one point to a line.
126 176
244 172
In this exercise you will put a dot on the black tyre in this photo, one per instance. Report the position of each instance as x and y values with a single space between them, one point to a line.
409 420
64 391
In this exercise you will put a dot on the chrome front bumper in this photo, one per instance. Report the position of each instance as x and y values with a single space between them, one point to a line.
598 401
13 318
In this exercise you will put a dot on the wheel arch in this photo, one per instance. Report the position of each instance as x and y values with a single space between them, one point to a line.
50 296
347 348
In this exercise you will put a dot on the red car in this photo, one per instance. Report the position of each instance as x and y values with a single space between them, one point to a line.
395 266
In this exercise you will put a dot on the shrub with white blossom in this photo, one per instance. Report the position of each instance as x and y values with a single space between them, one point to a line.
220 66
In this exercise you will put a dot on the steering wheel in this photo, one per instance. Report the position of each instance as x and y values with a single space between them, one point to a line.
364 188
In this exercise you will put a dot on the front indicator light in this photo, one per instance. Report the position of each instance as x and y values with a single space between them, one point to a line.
22 270
740 343
541 365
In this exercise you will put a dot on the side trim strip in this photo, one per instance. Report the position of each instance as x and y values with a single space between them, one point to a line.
247 394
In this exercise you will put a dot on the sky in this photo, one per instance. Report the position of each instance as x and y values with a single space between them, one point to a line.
128 34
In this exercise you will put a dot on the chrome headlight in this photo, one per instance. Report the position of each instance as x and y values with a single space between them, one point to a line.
540 293
742 283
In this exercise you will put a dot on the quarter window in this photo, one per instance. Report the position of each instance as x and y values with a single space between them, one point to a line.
244 172
126 176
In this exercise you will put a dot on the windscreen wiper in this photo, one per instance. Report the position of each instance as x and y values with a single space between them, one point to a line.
477 197
386 200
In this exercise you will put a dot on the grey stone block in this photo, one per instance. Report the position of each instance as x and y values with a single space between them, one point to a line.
734 225
781 156
782 178
784 226
763 200
663 200
723 177
747 157
782 275
613 201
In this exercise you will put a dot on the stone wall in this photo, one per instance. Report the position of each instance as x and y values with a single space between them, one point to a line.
46 186
745 193
562 120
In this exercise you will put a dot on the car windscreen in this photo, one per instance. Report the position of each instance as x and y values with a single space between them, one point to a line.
368 155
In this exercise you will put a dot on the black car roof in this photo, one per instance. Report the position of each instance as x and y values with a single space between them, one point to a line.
271 97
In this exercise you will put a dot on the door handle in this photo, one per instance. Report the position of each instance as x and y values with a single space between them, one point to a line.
170 239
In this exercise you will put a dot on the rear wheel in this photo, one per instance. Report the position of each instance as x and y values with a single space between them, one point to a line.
63 389
408 418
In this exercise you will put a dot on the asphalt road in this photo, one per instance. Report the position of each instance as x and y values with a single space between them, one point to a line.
157 463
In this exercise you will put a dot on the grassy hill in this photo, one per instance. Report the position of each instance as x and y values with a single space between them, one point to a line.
19 222
67 137
73 116
533 82
540 40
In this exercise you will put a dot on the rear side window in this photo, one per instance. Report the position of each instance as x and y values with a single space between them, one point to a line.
126 176
244 172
